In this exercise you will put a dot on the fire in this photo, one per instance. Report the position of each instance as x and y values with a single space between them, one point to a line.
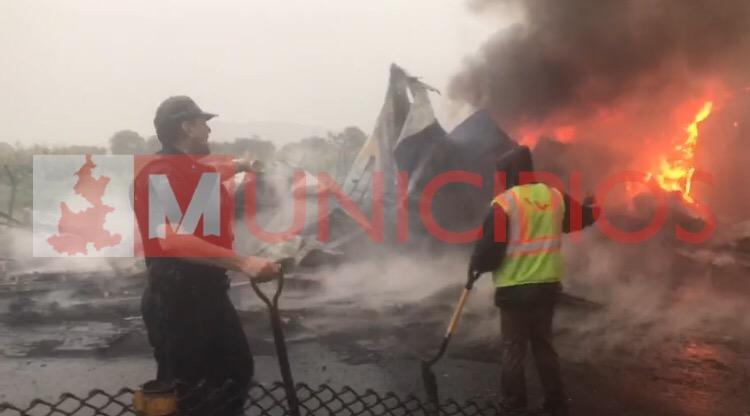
676 171
669 131
530 134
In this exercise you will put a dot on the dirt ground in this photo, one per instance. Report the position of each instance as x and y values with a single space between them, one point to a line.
689 374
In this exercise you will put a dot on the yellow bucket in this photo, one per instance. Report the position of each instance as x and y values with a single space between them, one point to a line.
155 398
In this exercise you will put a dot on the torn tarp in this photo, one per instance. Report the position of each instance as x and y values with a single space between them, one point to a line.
467 153
407 140
399 119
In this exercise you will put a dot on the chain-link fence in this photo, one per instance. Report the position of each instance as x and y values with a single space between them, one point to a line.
263 400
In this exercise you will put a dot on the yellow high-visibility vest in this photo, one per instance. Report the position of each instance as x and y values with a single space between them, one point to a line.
535 214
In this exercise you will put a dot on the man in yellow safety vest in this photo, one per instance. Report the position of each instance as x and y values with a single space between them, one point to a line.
527 267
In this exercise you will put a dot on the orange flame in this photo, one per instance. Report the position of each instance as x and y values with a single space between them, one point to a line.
676 172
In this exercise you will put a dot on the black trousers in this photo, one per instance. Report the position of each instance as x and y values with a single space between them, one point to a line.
198 342
523 325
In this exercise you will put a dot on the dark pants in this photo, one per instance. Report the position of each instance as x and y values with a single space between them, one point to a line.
525 324
198 343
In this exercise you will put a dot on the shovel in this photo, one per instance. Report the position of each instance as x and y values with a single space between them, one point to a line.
428 377
278 338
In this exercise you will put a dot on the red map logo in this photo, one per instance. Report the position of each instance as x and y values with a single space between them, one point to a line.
75 230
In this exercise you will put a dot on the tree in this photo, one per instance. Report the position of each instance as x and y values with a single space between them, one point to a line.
16 175
348 143
257 148
315 154
351 137
254 147
127 142
78 150
153 145
333 154
6 151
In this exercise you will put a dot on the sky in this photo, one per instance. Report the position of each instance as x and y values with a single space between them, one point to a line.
76 71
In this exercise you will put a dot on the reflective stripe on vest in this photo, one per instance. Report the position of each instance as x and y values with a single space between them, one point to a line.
535 214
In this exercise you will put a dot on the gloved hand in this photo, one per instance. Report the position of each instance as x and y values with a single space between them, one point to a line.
472 277
260 269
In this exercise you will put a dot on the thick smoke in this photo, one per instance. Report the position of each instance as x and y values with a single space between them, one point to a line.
622 79
582 55
617 72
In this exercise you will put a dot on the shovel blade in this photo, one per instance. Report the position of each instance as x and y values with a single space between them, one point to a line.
430 382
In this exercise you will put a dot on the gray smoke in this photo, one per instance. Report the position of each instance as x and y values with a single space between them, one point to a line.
563 62
580 55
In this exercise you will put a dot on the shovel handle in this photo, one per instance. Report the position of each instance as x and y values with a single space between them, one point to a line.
280 342
472 277
272 303
457 313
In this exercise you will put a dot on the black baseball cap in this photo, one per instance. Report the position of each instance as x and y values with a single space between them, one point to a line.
178 109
